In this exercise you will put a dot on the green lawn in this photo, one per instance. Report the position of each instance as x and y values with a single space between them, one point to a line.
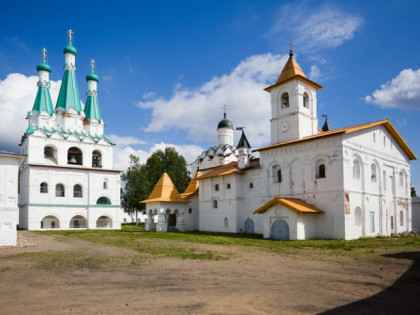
187 245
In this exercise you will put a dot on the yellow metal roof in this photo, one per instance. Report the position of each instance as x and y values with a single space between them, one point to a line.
386 123
164 190
227 169
192 189
292 71
294 204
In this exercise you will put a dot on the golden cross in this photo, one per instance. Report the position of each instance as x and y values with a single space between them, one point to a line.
92 62
290 45
70 32
44 53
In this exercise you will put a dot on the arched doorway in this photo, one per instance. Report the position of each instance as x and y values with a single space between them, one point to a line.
104 222
249 226
50 222
280 231
78 222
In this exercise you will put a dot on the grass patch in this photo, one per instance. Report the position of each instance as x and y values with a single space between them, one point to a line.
184 245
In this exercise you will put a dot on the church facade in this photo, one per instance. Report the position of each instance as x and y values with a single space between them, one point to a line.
67 180
309 183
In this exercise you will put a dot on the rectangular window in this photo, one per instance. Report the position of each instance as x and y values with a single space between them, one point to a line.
216 187
384 176
372 222
392 222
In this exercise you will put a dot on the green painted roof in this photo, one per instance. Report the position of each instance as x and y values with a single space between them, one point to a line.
43 66
243 142
81 135
92 76
70 49
43 101
92 108
69 92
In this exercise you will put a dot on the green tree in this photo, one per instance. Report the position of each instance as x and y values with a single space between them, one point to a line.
413 192
136 187
171 162
140 179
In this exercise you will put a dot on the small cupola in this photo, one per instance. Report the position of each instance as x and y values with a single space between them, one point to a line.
225 123
326 126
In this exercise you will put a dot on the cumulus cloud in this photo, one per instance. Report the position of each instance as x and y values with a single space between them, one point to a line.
125 141
122 153
17 96
403 91
198 111
316 28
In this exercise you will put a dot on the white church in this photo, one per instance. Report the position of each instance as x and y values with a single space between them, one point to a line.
309 183
67 180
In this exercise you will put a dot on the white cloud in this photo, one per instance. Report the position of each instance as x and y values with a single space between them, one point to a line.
315 73
315 29
198 111
17 96
125 141
403 91
122 153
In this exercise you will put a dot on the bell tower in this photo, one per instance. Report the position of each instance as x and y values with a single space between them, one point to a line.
293 104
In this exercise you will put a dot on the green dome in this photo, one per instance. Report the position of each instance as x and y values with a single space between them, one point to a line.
43 66
70 49
225 123
92 76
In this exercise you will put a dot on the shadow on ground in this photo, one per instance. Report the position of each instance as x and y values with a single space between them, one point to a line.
403 297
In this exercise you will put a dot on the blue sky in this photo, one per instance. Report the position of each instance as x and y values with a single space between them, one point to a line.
166 68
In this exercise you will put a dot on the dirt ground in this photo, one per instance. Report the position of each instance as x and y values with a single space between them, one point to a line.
82 277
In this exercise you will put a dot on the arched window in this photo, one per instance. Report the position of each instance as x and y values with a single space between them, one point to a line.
276 172
401 179
356 169
103 201
279 176
74 156
50 154
251 185
285 100
96 158
226 222
216 187
320 169
105 183
305 100
43 189
358 216
77 191
215 204
373 177
59 190
50 222
401 218
228 186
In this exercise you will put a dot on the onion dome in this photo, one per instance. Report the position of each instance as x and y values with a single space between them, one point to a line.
43 66
92 76
225 123
70 49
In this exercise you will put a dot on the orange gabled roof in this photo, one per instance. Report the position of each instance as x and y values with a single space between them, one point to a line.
227 169
164 190
386 123
292 71
192 189
294 204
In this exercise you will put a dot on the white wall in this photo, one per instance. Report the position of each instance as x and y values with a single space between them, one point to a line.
9 165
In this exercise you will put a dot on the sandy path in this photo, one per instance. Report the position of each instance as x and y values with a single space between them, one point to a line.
249 282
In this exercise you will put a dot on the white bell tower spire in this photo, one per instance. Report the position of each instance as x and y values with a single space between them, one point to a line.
293 104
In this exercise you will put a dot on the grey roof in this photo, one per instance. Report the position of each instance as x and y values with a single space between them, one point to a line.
225 123
243 142
326 126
